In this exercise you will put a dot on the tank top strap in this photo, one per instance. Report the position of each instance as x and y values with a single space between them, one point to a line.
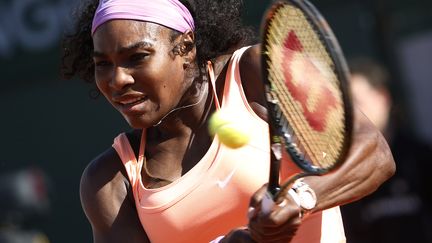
213 84
233 96
232 72
127 156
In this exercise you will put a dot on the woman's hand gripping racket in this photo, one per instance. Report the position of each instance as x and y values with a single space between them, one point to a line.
305 78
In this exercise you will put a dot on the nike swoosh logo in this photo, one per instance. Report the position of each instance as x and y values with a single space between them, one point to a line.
223 183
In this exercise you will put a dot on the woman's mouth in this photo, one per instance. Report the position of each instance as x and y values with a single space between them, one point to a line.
132 101
132 105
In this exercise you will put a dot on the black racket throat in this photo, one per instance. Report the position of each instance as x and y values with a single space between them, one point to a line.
281 139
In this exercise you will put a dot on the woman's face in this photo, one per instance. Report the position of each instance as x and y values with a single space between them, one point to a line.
137 71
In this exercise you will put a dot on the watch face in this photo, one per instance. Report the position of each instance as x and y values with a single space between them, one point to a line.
307 199
305 194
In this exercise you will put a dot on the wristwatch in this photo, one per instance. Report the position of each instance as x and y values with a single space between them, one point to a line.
306 196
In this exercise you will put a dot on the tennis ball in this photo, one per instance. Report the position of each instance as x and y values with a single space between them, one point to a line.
231 133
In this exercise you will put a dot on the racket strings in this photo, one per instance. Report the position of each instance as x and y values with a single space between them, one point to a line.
319 141
313 141
285 107
274 76
316 145
292 112
289 110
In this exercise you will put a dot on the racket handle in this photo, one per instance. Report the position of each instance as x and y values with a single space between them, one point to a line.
276 156
273 187
267 203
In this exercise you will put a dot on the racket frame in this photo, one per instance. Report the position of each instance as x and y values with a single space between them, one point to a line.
329 41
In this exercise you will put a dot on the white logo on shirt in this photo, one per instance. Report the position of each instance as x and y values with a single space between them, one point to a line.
223 183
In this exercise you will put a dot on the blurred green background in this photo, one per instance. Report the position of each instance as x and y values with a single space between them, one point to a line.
55 125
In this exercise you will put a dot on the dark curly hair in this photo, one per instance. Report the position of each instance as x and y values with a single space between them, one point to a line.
218 30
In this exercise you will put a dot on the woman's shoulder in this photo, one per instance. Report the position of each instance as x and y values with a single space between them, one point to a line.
107 200
250 71
252 55
103 183
106 171
251 78
104 168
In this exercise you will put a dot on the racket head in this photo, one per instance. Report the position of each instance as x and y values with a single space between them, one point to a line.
306 80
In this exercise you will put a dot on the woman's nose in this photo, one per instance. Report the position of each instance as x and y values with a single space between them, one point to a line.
121 78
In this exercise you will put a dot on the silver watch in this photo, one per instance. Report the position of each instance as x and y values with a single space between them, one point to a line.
306 195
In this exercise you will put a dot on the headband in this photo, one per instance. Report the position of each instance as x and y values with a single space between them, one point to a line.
169 13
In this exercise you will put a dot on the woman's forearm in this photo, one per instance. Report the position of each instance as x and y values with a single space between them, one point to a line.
368 165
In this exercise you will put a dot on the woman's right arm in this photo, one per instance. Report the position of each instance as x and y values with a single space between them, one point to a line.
108 202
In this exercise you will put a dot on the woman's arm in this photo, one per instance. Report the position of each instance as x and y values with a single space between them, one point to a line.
108 202
369 164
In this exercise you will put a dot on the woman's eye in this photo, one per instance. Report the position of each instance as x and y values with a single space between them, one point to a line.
101 64
138 57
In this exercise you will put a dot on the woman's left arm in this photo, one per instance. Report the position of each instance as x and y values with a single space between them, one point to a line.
369 162
368 165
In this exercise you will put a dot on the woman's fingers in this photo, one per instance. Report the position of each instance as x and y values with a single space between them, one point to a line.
279 225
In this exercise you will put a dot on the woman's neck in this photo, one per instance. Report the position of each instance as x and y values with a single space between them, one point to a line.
178 143
188 117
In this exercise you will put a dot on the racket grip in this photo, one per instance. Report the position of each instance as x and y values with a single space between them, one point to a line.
276 156
267 203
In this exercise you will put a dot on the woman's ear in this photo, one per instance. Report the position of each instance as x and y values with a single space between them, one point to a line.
188 42
187 48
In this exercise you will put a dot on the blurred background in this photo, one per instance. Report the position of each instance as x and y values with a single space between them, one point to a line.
51 128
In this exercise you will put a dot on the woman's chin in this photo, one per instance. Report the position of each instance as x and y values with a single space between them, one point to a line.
138 122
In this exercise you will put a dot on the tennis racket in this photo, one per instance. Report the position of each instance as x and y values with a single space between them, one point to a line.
306 84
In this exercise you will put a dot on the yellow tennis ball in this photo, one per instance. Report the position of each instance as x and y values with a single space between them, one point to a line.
231 133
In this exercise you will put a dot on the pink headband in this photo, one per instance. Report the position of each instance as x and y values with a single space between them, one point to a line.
169 13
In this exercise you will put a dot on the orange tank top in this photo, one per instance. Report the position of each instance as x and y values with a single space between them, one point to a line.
213 197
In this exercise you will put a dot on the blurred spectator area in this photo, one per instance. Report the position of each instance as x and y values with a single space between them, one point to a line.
52 123
24 205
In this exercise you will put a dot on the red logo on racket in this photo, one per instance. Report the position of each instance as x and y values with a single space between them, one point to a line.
306 83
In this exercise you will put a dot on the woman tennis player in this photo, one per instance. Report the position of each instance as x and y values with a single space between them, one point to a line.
166 65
